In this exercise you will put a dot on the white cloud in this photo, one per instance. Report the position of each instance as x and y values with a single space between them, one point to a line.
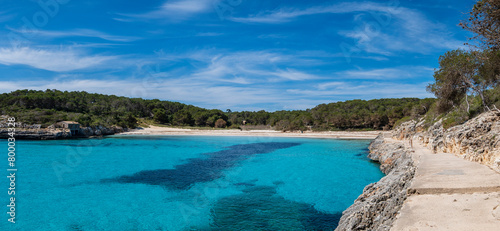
208 34
186 6
387 28
295 75
174 10
399 73
247 67
402 29
51 59
364 90
79 33
5 16
323 86
288 14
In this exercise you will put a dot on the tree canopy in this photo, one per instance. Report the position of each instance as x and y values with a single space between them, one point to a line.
471 73
484 22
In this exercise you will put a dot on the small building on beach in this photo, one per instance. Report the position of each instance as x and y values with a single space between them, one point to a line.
74 127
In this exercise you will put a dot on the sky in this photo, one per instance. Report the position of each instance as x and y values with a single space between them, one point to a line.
229 54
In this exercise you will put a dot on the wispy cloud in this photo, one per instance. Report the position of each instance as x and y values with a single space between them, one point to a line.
5 16
388 32
294 75
399 73
51 59
208 34
176 10
283 15
79 33
378 28
364 90
250 67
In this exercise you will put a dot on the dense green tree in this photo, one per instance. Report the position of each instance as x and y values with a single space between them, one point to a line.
449 86
183 117
159 115
464 73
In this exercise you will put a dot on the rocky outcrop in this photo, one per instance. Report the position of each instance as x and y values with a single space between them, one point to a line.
377 206
101 131
59 133
36 134
476 140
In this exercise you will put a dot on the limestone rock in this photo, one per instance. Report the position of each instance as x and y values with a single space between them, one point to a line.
59 133
476 140
376 208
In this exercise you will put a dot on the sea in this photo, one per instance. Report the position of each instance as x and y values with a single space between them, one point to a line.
125 182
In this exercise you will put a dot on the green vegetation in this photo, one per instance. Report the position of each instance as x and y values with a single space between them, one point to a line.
467 82
50 106
47 107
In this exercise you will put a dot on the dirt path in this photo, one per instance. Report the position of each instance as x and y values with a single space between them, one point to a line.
449 193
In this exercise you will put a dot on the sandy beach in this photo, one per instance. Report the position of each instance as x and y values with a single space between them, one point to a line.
155 130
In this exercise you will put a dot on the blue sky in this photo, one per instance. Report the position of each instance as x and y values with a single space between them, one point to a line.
237 54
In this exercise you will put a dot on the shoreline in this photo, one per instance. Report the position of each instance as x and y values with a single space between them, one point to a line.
431 170
376 206
167 131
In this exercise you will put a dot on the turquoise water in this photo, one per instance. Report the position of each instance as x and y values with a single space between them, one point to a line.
187 183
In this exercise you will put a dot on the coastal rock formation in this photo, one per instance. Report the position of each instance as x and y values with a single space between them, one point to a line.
476 140
37 134
377 206
59 133
101 131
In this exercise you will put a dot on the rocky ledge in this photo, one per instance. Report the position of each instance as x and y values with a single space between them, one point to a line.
59 133
376 208
476 140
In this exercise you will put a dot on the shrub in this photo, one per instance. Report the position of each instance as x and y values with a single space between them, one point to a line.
220 123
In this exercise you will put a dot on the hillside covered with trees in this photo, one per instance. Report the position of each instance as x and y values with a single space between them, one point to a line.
50 106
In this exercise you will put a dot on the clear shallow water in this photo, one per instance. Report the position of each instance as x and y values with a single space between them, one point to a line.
187 183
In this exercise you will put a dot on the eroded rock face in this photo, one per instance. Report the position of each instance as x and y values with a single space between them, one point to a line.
476 140
376 208
100 130
40 134
59 133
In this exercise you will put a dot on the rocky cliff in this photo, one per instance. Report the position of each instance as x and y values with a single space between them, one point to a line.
476 140
377 206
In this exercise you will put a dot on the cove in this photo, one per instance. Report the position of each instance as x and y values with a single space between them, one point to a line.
189 183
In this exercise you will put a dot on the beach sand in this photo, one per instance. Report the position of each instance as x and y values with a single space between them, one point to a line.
154 130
